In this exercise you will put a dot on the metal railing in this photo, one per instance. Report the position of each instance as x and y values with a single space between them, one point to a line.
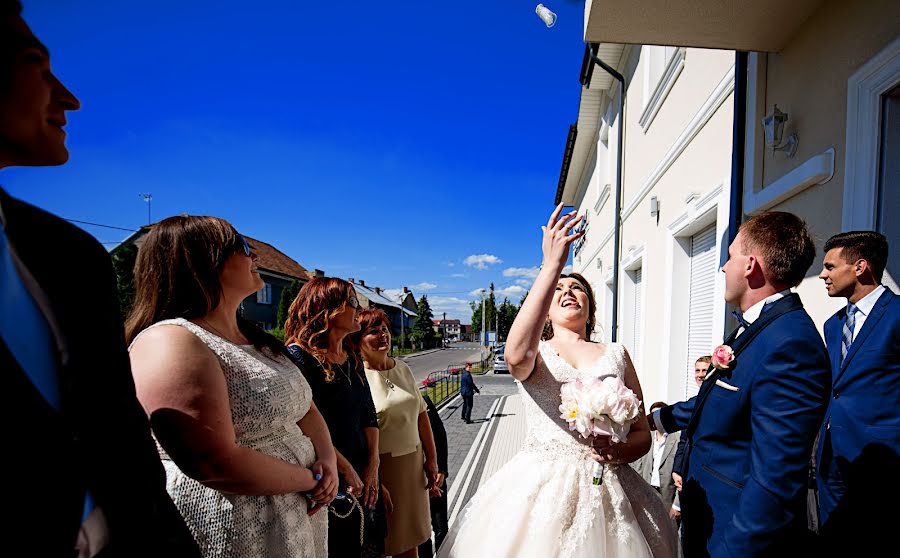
443 384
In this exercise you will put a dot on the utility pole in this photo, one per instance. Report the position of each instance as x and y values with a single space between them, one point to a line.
496 327
483 312
444 335
402 319
148 197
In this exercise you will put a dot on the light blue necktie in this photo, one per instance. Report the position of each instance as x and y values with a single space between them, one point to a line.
847 332
27 335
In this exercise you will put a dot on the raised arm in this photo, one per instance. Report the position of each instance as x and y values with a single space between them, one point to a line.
182 388
525 333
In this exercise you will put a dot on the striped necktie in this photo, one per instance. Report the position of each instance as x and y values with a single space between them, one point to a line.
847 333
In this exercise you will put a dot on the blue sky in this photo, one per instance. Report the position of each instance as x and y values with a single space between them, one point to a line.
404 143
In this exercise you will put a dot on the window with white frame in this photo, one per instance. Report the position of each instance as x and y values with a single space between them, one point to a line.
632 324
264 295
701 302
657 59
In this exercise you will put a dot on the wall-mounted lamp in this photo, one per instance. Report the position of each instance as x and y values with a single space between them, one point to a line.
599 264
548 17
773 124
654 208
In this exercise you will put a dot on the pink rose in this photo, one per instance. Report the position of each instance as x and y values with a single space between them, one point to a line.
722 357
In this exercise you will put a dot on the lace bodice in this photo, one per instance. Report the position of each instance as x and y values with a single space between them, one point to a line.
540 395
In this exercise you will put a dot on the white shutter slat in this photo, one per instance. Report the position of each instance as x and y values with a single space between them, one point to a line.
701 302
636 334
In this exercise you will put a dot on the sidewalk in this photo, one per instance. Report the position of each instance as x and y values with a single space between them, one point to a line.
478 450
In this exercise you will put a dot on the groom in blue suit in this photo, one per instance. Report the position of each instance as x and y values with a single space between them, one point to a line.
859 442
750 429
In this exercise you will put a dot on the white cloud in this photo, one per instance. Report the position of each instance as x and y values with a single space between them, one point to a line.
477 292
481 261
449 264
423 286
524 282
460 275
456 308
567 269
513 292
530 272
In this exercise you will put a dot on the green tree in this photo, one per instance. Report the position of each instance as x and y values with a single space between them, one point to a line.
123 260
507 314
288 294
422 330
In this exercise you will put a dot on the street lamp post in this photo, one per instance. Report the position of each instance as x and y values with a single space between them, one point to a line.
483 312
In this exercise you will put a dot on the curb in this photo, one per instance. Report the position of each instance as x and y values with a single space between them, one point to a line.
420 353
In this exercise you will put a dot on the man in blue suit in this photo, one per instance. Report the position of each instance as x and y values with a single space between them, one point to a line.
467 390
750 429
859 441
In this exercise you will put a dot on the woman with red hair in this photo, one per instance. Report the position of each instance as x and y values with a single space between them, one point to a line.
316 334
408 457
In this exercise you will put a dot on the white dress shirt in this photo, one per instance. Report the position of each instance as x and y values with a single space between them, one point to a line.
752 313
864 308
658 448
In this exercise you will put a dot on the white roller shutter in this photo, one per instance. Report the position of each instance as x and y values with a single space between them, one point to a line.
636 334
702 291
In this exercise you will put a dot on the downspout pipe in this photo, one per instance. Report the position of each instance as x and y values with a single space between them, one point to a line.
738 143
587 71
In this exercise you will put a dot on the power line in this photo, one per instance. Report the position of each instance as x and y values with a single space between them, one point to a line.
99 225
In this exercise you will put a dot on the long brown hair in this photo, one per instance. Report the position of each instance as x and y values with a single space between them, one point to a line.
592 308
309 319
177 275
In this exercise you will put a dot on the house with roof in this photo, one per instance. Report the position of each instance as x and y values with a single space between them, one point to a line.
277 270
401 315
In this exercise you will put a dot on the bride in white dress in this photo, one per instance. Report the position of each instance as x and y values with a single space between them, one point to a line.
543 503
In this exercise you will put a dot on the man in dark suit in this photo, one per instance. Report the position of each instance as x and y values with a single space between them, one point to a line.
859 442
750 429
438 501
656 467
86 479
467 390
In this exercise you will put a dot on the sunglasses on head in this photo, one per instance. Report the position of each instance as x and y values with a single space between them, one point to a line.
244 244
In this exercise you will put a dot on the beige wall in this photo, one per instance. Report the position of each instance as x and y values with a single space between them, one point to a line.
702 167
808 80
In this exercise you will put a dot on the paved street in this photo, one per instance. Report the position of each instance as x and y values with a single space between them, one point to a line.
457 353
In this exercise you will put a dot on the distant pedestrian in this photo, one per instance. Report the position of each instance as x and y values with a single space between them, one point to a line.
468 389
438 500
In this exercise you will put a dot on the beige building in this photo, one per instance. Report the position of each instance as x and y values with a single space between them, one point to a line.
695 140
674 200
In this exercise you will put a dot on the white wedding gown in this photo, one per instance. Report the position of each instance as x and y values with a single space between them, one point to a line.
543 504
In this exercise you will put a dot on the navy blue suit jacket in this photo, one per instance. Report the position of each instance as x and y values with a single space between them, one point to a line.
750 433
859 441
467 384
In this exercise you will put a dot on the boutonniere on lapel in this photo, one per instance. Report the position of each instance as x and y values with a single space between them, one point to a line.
722 359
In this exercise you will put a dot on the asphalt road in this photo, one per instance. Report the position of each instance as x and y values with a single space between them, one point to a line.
456 354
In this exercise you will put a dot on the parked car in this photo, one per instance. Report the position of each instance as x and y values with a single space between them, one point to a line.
500 364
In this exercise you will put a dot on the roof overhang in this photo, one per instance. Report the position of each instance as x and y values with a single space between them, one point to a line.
749 25
582 138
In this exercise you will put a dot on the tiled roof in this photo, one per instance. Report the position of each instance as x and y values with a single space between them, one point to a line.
272 259
380 299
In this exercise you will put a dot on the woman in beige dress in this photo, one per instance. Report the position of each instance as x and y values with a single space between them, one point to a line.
409 469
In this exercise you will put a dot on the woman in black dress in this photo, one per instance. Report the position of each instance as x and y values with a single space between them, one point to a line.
318 322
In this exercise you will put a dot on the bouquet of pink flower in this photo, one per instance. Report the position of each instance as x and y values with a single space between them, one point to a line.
599 407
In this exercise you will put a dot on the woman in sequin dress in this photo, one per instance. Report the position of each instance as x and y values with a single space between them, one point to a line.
543 501
238 432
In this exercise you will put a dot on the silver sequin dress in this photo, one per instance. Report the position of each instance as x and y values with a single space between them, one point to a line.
268 395
542 503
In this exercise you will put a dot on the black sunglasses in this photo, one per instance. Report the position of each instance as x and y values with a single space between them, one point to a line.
245 244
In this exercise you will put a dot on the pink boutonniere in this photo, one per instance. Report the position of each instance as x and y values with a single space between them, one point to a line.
722 359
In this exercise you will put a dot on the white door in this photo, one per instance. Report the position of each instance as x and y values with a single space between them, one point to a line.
701 302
